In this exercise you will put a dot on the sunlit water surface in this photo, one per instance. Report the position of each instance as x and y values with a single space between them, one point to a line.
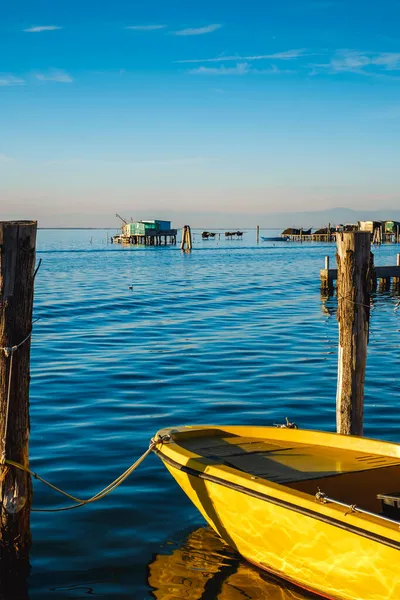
131 340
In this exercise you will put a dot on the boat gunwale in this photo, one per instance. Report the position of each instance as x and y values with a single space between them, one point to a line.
333 440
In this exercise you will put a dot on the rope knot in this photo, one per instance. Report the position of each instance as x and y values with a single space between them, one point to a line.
161 439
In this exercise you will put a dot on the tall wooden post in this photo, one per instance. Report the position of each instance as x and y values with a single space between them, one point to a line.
17 262
258 234
353 283
186 243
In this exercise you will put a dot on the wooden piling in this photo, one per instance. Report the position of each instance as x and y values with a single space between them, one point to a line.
396 280
373 281
186 243
326 281
17 263
353 262
258 234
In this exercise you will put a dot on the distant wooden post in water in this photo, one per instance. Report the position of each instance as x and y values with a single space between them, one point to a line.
186 243
353 286
258 234
17 263
326 280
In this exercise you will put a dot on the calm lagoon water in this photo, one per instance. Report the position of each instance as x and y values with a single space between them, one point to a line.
232 333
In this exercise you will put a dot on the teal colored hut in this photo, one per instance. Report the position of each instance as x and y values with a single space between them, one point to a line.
146 227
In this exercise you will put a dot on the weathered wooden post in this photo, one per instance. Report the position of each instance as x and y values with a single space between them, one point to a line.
353 283
258 234
189 237
326 281
17 262
396 280
372 274
186 243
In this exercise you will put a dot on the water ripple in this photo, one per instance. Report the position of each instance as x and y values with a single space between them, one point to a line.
233 333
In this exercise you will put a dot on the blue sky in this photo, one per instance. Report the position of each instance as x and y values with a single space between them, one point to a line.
218 106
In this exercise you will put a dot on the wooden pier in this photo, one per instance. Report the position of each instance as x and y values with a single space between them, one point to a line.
160 238
386 238
385 275
381 232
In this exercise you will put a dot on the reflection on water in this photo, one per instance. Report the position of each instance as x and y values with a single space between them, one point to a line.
232 333
203 567
13 581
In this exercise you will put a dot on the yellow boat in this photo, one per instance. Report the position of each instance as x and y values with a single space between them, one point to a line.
317 509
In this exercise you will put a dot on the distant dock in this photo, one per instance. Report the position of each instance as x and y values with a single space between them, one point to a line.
165 238
382 232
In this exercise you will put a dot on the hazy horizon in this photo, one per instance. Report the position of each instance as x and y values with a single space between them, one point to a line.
208 220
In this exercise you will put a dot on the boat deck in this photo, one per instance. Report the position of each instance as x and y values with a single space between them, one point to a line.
350 476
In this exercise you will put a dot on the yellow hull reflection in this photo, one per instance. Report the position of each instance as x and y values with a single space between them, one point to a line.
256 488
203 569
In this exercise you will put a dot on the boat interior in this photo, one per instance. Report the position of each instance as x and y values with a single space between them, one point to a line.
370 481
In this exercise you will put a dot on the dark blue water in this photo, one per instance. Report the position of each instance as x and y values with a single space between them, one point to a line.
231 333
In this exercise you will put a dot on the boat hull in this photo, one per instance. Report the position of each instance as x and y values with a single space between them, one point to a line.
329 557
317 556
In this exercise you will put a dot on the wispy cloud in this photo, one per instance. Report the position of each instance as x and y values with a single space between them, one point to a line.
239 69
4 158
362 63
199 30
10 80
145 27
41 28
286 55
55 75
